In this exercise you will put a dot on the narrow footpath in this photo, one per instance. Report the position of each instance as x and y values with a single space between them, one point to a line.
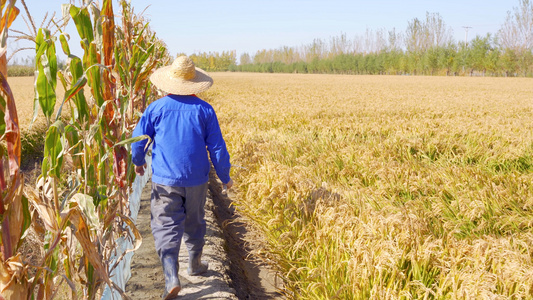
227 278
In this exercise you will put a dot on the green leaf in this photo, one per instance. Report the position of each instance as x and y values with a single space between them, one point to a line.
53 150
133 140
82 19
45 167
64 44
53 261
90 176
46 82
27 219
2 114
76 69
77 87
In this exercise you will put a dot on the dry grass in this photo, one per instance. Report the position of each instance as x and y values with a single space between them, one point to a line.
386 187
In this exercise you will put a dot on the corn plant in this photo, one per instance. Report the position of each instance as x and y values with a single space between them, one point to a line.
14 213
81 194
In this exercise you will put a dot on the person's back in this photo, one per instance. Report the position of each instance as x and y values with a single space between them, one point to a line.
182 127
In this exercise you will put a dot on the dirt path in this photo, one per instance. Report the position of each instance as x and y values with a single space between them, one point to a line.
227 278
147 281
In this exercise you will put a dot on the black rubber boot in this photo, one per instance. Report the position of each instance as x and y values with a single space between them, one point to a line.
172 281
196 265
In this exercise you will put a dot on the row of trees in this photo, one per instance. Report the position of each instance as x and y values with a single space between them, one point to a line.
480 57
214 61
426 47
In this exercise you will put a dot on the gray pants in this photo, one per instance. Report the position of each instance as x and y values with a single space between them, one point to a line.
178 212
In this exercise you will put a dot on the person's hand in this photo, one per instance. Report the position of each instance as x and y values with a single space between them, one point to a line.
227 186
140 170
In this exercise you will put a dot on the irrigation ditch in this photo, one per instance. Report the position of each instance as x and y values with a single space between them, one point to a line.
251 278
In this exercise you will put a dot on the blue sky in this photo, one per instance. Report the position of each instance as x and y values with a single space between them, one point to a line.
248 26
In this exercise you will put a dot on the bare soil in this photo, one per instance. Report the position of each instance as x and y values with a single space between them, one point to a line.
232 273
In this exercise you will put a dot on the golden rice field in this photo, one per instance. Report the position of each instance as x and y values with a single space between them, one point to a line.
378 187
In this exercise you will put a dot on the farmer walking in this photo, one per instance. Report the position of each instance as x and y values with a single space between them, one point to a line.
181 127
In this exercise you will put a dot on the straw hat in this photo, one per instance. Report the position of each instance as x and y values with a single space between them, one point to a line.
181 78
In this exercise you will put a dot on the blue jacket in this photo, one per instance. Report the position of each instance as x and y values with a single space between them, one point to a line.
181 127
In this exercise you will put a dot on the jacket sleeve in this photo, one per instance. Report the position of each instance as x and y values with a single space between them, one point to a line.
217 149
139 149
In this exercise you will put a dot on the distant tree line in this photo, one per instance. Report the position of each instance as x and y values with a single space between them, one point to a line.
214 61
481 56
